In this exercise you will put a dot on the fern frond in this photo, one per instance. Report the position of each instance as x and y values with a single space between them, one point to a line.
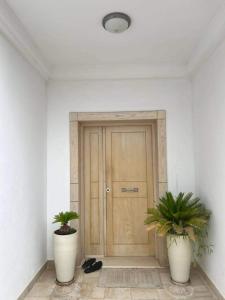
181 215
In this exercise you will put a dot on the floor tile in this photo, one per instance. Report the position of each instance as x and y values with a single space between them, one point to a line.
36 298
118 293
47 277
202 291
41 289
92 298
137 293
97 292
164 295
89 278
86 288
63 290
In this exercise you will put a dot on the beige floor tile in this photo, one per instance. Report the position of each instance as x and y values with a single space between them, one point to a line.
203 298
91 291
41 289
47 277
118 293
137 293
91 278
164 295
63 290
97 293
51 265
114 298
68 297
92 298
202 291
78 277
36 298
71 292
86 289
196 279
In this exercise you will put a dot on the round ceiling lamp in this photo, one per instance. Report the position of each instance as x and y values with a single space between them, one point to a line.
116 22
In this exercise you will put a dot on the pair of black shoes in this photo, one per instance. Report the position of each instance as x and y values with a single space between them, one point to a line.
91 265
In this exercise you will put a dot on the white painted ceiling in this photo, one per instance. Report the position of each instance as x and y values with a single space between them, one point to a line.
69 32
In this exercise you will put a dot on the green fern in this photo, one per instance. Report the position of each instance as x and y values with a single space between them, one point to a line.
64 218
181 215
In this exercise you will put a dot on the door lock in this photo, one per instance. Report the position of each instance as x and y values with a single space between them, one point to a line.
108 190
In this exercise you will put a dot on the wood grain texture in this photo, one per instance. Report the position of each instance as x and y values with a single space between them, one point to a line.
129 165
75 206
162 162
161 248
81 247
93 197
74 153
74 192
110 116
163 187
161 114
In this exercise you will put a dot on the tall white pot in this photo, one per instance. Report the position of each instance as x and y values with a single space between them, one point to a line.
65 250
180 257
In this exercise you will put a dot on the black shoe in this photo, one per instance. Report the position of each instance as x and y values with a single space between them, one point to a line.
88 263
95 267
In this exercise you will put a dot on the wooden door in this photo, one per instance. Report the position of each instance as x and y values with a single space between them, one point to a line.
130 183
120 158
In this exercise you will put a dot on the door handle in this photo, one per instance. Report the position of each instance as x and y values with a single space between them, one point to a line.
129 190
108 190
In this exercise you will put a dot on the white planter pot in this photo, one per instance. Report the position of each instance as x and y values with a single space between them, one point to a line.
65 250
180 257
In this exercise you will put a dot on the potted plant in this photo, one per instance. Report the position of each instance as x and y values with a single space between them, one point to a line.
65 246
183 220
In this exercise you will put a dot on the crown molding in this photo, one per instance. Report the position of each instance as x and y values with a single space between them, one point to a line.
14 31
213 36
117 71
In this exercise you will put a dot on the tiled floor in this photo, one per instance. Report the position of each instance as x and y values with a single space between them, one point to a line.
86 288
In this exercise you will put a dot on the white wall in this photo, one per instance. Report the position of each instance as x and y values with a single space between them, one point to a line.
112 95
209 124
22 172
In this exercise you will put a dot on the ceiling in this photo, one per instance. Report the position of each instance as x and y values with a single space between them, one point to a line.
69 32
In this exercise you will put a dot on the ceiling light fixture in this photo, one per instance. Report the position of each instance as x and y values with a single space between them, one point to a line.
116 22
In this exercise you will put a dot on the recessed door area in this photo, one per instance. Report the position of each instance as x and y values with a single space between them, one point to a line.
119 170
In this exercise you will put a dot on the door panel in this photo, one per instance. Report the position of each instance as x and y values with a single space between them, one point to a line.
129 175
127 222
126 146
93 181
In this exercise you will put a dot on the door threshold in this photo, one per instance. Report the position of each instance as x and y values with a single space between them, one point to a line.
132 262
